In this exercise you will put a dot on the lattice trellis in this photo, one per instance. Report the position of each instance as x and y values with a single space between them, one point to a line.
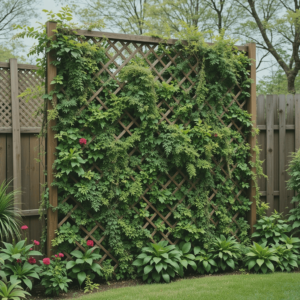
119 54
29 79
5 98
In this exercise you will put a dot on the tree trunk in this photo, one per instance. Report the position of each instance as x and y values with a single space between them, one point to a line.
291 84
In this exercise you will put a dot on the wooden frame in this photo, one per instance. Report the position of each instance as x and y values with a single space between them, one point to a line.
52 218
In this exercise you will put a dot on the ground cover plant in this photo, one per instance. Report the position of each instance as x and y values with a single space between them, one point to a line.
135 150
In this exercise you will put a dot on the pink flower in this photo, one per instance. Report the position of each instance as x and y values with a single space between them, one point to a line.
60 255
90 243
36 242
46 261
30 249
215 135
82 141
24 227
56 255
31 260
19 261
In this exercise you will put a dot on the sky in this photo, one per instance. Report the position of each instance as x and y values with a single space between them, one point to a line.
51 5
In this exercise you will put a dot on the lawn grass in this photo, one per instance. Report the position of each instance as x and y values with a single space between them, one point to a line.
285 286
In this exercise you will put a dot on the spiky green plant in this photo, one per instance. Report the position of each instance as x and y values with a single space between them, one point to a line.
10 218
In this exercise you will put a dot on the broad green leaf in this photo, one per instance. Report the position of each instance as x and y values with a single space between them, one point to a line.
166 277
156 276
148 269
186 247
156 259
138 262
77 253
230 263
81 277
159 267
70 264
260 262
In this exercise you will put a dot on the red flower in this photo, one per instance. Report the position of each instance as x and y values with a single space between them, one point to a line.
24 227
60 255
46 261
19 261
36 242
90 243
215 135
82 141
31 260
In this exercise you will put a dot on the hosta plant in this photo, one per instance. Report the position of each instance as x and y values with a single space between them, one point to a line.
186 258
225 252
84 263
54 275
205 261
261 258
291 242
288 260
270 229
11 290
157 262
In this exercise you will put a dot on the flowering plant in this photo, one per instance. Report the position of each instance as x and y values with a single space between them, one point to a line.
19 261
54 275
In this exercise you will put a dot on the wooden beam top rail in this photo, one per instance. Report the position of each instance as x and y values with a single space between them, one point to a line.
135 38
20 66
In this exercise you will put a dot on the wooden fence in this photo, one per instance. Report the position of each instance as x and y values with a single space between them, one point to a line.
19 145
278 118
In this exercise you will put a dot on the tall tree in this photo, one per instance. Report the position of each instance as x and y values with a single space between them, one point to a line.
215 16
15 12
274 25
127 16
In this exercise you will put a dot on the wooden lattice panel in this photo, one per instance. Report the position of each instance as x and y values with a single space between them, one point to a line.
29 79
5 98
119 54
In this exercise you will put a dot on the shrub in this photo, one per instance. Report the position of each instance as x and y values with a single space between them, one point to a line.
54 275
287 259
271 229
225 252
260 258
84 264
186 258
158 261
10 218
206 263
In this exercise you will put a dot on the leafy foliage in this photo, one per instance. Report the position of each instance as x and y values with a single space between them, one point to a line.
84 265
288 260
10 219
205 261
226 252
271 229
11 290
186 258
261 258
158 262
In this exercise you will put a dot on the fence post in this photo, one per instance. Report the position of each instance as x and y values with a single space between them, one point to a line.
251 107
16 132
52 218
297 122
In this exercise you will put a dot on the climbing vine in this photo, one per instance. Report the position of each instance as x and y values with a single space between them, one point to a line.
191 164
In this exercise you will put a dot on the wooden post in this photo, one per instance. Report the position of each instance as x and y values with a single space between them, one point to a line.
16 132
52 219
270 152
282 154
251 107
